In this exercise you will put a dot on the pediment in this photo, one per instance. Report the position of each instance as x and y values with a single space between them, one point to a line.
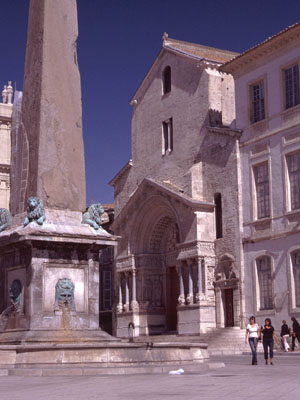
150 188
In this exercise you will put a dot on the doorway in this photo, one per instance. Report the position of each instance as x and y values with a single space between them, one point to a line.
229 316
172 293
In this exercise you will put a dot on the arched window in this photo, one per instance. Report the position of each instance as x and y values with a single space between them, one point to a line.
218 215
296 275
265 284
167 80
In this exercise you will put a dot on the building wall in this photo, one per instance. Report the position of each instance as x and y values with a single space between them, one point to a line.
196 89
269 141
5 127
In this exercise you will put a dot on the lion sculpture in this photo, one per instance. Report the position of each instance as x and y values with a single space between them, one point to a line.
35 211
93 216
5 219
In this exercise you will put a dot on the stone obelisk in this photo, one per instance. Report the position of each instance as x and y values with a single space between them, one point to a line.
49 260
51 107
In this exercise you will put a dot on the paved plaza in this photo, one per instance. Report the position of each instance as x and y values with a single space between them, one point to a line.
238 380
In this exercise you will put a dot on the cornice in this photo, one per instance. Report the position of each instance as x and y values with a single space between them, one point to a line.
127 166
263 49
234 133
5 168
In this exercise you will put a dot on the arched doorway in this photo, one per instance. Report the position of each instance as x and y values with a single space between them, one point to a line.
227 292
154 244
163 240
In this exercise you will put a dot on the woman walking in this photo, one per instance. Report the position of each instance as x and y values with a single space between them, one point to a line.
285 334
268 340
252 335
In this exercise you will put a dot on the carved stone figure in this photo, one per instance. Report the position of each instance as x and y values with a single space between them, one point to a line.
5 219
181 300
15 293
93 216
158 293
35 211
9 93
4 95
64 294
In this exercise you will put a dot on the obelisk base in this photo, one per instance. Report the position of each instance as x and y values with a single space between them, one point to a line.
50 276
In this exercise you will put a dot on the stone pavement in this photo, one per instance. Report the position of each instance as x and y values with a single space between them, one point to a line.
237 380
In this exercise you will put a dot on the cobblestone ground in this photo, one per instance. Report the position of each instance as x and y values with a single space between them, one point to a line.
238 380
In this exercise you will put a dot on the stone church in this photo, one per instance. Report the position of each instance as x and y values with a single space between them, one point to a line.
177 201
208 206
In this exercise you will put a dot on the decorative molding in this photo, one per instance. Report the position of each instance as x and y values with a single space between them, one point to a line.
196 249
125 264
263 49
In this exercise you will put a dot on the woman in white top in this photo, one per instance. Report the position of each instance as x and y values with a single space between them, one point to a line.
252 335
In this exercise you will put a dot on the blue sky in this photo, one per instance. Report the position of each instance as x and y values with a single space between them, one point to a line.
118 42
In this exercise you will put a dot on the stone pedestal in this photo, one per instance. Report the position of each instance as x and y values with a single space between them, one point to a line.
51 264
145 322
196 319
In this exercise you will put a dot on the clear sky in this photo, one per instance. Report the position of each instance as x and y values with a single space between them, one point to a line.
118 42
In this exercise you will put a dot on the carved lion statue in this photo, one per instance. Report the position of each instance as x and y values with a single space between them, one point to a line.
5 219
93 216
35 211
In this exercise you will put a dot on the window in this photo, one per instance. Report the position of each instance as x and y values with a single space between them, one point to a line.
293 162
296 273
106 290
264 274
257 96
218 215
291 83
167 127
107 255
261 176
167 80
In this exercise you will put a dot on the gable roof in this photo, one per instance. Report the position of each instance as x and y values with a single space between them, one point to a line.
193 51
274 42
206 53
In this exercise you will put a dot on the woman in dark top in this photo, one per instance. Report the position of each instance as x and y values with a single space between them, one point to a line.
268 339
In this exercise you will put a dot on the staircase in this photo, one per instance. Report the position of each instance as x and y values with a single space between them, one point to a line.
220 341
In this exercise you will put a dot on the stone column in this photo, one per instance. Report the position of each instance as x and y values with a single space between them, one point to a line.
190 295
126 305
134 303
120 303
200 295
181 298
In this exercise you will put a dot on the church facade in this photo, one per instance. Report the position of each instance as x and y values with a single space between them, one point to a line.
207 208
177 201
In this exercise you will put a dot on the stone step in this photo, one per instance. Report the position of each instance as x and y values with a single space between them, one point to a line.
89 371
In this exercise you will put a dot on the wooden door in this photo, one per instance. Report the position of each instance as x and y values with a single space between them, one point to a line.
229 317
172 298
